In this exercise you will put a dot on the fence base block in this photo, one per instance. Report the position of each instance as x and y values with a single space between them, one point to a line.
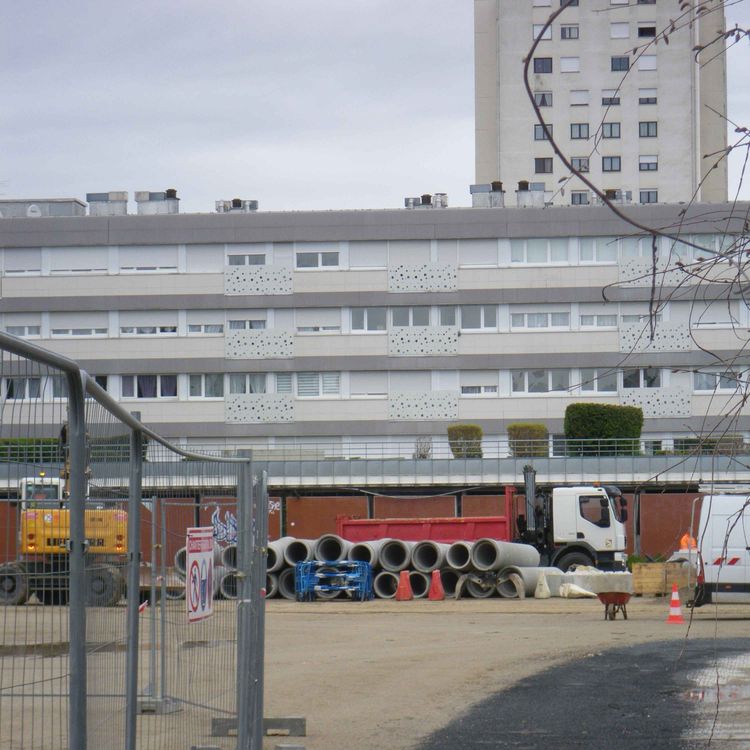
290 726
158 706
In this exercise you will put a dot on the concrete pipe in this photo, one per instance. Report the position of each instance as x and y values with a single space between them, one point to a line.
385 584
331 548
395 555
229 585
515 582
272 585
478 591
229 557
327 595
286 584
219 572
298 550
367 551
491 554
449 578
428 555
175 590
180 560
275 555
420 584
458 555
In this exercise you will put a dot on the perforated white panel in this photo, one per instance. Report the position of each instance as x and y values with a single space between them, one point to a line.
433 405
257 280
247 408
258 345
637 272
422 277
659 402
668 337
422 340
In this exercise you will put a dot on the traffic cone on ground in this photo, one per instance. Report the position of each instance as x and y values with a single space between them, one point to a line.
675 613
404 592
437 592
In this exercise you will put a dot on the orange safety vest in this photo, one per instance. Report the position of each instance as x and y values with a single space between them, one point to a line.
687 542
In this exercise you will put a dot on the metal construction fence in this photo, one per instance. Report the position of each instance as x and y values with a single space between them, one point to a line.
115 633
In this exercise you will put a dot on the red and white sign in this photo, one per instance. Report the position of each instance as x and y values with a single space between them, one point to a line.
199 579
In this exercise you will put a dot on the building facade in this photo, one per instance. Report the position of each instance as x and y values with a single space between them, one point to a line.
633 111
337 328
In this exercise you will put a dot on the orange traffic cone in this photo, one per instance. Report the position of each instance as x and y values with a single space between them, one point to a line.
437 592
404 592
675 613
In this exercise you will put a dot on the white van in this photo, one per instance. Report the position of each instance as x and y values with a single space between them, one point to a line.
724 550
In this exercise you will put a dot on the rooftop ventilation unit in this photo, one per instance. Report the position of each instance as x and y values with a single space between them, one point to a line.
108 204
236 205
150 204
489 195
427 200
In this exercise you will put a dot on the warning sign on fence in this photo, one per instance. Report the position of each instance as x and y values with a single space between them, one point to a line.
199 584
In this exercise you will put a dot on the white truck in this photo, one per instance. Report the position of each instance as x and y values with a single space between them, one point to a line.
723 537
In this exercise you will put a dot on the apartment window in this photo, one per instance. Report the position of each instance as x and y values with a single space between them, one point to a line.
318 320
649 196
619 2
542 3
205 329
24 331
478 390
569 31
579 198
539 250
610 130
543 98
570 4
645 377
149 386
646 30
59 384
640 319
250 259
284 382
312 384
543 166
447 315
540 320
610 163
253 382
368 319
148 330
79 332
321 259
579 131
647 129
610 97
598 321
619 63
539 381
716 381
580 163
648 163
478 317
101 381
595 380
542 64
540 134
647 96
619 30
410 316
539 32
247 324
209 385
646 2
597 249
22 389
22 261
570 64
579 98
154 259
647 62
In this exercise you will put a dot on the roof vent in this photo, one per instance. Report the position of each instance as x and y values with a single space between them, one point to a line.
236 206
108 204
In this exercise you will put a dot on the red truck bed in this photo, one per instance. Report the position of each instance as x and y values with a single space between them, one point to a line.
416 529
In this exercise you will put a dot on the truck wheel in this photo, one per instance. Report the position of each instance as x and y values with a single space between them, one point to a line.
14 584
102 587
572 559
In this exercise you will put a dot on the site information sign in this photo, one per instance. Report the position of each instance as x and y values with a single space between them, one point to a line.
199 584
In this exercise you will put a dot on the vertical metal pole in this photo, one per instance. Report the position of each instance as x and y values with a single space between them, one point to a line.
260 544
153 689
77 731
163 599
134 585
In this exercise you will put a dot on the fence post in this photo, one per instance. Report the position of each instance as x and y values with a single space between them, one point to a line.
134 583
77 731
258 580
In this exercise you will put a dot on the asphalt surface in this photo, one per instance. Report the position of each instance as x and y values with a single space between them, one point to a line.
657 695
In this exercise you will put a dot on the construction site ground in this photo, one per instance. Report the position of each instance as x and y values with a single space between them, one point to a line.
387 674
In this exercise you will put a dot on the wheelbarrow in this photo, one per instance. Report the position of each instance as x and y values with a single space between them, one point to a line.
614 602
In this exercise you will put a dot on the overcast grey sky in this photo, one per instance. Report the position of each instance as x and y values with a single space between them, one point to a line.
299 104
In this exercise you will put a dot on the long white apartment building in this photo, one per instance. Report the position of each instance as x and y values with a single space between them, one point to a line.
638 115
268 329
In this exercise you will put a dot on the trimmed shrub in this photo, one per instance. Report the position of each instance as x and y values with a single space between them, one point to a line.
618 427
465 440
528 439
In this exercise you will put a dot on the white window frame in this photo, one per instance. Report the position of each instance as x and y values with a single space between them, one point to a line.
246 259
536 31
722 384
27 388
159 387
602 250
598 321
321 256
592 377
24 331
549 261
199 329
78 332
200 380
326 382
245 380
410 313
482 318
154 331
548 315
479 391
524 374
247 324
366 320
641 378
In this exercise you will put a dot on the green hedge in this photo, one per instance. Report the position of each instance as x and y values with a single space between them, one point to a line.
528 439
465 440
30 450
618 427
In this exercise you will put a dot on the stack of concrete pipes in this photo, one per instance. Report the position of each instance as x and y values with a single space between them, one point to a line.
175 584
514 565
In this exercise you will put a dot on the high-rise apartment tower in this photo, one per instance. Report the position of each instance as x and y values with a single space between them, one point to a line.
633 110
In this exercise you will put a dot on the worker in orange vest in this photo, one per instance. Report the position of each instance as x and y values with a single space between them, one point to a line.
687 541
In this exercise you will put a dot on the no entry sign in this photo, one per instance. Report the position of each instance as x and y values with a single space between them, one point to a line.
199 584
